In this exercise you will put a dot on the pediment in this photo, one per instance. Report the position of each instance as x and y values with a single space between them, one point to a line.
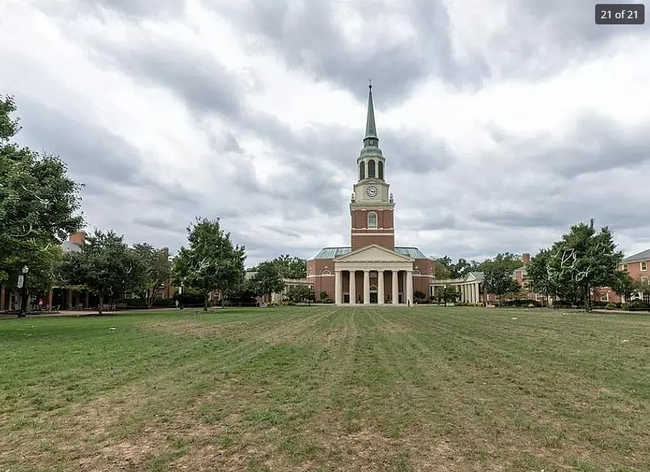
373 253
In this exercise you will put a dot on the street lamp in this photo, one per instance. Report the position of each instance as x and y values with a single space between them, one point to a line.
22 284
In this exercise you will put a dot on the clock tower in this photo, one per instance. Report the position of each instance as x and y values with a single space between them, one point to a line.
372 206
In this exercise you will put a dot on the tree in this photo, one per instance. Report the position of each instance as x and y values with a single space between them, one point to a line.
538 277
267 279
290 267
624 285
498 279
105 266
440 269
509 261
156 271
211 262
300 293
448 293
642 286
583 260
419 296
38 201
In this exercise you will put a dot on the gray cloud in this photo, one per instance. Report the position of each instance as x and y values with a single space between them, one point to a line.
450 204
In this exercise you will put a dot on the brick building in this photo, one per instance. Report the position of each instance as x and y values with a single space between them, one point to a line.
372 270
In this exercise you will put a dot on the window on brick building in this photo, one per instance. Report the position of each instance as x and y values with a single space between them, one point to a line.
625 267
372 220
644 266
604 297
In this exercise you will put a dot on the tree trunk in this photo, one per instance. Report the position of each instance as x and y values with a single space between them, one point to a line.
587 299
205 302
101 304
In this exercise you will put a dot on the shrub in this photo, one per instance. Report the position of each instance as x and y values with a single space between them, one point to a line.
638 305
611 306
522 303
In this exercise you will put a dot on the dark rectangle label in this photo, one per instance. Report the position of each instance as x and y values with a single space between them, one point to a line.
620 14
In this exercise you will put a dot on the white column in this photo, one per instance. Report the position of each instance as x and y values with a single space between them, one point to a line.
353 287
409 286
395 288
380 287
366 286
338 295
476 300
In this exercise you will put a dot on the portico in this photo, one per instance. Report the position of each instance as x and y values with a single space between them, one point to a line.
373 275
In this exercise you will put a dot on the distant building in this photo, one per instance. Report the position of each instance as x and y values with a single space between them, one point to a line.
372 270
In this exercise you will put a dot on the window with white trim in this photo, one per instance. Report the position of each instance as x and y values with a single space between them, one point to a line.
604 297
372 220
644 266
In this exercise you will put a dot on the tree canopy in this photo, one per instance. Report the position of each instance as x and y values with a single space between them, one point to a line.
583 260
38 201
267 279
156 271
210 262
105 266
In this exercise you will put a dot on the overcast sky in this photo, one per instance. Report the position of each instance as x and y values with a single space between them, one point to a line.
503 122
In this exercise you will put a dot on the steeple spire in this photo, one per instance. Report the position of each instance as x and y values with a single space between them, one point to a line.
370 138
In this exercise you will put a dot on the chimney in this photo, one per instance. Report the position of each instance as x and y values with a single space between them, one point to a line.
78 238
526 258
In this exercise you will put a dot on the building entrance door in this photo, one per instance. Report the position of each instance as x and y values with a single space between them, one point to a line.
373 297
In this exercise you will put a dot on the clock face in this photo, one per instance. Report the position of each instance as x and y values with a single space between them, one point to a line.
371 191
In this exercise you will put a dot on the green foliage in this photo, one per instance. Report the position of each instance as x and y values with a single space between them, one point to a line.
38 201
301 293
445 268
582 260
105 265
498 279
642 286
447 294
211 262
510 262
623 285
291 267
267 279
638 305
419 296
538 277
156 270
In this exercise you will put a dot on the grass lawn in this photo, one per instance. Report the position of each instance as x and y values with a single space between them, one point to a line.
326 388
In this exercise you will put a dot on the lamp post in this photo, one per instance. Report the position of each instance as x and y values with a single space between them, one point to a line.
22 284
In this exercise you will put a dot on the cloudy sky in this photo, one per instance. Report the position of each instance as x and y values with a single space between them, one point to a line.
503 122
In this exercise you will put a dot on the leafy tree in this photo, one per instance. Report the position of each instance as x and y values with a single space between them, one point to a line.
419 296
291 267
156 271
509 261
538 277
105 266
267 279
642 286
211 262
498 279
300 293
582 260
448 293
441 270
38 201
624 285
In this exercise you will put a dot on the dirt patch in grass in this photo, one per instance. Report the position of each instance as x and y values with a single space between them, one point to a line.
196 328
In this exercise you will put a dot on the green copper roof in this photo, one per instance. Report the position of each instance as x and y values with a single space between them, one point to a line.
371 128
332 252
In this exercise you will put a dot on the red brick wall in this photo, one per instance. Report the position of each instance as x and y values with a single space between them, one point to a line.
359 224
634 269
361 241
325 283
78 238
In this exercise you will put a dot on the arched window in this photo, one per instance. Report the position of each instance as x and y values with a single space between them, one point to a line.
372 220
326 272
362 170
371 169
380 170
